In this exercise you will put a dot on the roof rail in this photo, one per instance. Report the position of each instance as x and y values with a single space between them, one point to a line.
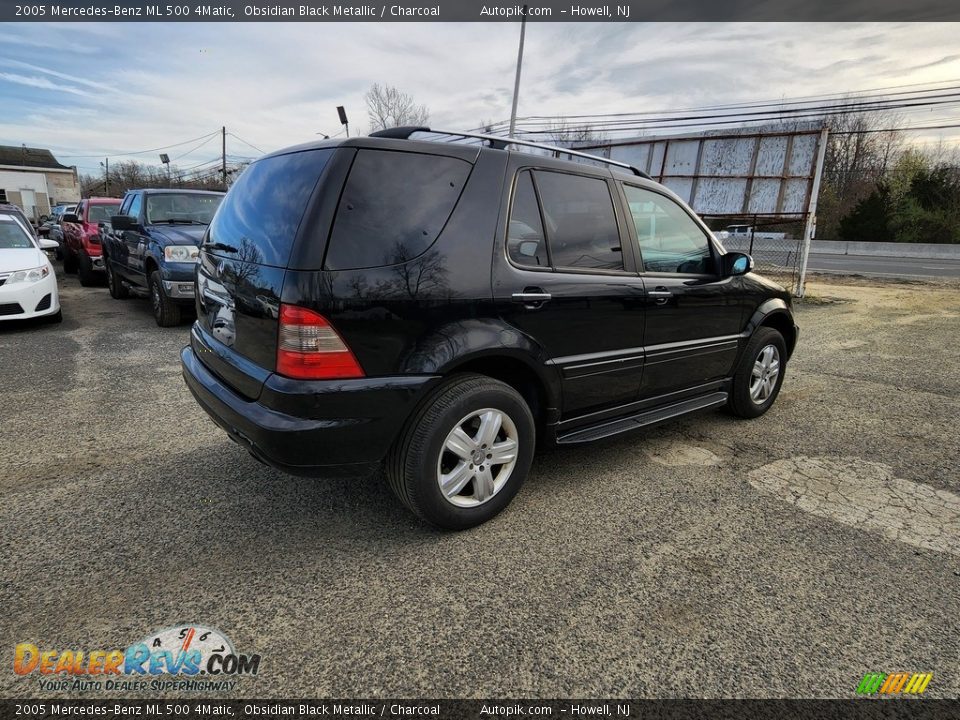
501 143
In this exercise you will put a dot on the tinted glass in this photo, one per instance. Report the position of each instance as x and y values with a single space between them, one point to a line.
258 219
393 207
669 239
100 213
525 241
581 225
181 208
12 237
136 205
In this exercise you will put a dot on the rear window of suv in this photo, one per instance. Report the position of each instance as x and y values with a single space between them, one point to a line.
258 219
393 207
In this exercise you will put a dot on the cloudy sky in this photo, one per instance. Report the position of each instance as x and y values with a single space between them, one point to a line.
106 89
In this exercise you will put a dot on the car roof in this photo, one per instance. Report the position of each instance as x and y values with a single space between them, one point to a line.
184 191
458 150
103 200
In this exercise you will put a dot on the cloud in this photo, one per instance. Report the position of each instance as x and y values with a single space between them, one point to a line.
278 84
41 82
54 73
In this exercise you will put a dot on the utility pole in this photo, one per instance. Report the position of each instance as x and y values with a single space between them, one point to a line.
516 82
106 178
223 155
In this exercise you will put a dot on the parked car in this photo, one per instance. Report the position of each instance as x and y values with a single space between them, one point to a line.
151 247
53 228
81 238
443 308
28 284
20 217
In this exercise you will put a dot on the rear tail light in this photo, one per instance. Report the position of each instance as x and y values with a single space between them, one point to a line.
310 349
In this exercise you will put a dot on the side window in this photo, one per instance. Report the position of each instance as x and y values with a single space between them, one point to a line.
125 205
525 242
135 206
669 239
393 207
580 221
81 210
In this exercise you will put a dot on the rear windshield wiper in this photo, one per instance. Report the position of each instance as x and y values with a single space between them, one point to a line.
178 221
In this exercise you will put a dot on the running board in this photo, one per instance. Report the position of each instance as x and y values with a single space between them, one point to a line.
135 289
641 419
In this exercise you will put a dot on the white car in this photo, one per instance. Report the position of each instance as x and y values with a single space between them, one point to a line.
28 285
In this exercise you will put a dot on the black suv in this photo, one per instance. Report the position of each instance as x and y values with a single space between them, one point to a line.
443 307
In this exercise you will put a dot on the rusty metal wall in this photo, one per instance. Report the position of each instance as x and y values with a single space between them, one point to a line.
761 175
765 170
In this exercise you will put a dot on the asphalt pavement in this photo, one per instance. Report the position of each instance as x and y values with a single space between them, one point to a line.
875 265
785 556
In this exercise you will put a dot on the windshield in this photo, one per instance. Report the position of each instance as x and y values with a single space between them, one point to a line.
12 237
100 213
188 208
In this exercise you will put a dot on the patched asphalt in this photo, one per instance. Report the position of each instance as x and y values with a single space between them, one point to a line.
709 557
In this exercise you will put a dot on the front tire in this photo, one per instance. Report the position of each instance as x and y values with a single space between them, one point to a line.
758 377
165 311
464 455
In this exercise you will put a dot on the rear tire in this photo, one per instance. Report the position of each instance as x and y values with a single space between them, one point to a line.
165 311
87 277
69 262
483 420
118 291
758 377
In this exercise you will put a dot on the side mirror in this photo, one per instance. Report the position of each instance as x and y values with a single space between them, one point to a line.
70 218
735 263
123 222
46 244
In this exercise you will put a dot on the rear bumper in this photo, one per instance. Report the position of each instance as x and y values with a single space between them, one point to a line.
350 428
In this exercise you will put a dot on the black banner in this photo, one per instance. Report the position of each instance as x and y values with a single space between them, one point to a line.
477 11
867 709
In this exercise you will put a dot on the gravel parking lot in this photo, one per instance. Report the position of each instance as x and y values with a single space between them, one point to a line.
710 557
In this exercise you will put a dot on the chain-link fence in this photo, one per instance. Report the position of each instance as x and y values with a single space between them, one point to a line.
775 243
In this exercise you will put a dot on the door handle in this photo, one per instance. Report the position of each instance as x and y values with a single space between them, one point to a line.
660 295
531 297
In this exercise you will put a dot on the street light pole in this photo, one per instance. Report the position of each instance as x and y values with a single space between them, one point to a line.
516 82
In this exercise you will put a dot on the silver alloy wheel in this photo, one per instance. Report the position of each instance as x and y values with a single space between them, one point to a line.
763 378
477 457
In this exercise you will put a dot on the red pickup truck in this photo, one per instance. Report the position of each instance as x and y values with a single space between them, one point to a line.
81 238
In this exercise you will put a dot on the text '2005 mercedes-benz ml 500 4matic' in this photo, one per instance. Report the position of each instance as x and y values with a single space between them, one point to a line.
443 308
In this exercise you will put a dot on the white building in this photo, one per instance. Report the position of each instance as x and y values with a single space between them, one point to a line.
33 179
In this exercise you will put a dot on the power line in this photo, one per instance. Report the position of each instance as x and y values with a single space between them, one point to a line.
188 152
246 143
140 152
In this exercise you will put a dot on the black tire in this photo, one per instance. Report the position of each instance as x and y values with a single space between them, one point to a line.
69 262
118 291
416 457
165 311
741 403
88 277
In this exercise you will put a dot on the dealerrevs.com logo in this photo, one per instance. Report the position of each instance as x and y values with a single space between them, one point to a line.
184 657
894 683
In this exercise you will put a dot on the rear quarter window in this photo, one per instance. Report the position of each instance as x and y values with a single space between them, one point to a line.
258 219
394 206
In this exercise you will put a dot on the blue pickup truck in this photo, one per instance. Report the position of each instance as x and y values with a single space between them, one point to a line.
150 248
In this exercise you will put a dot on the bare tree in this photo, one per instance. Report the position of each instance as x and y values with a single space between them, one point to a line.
860 153
388 107
563 133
